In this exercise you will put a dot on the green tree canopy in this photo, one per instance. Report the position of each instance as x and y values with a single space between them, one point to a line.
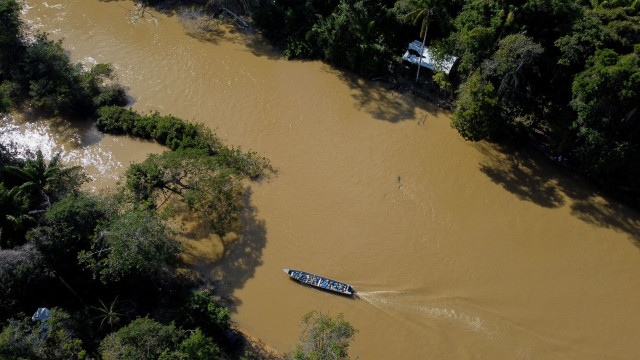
35 185
147 339
209 189
142 339
198 346
23 275
68 229
323 337
134 243
15 219
10 37
361 24
617 29
552 73
359 35
199 309
46 182
38 69
477 115
50 339
606 96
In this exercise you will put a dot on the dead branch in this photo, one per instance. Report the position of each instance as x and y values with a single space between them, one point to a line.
140 11
238 19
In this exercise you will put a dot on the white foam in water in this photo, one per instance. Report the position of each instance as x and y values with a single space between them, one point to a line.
460 317
57 6
31 137
376 296
400 305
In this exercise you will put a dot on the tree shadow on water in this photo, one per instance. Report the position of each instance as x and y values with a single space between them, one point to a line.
260 47
243 256
521 175
379 99
532 177
606 213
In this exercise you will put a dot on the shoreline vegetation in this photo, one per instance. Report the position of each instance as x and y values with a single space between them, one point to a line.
560 78
108 265
257 347
177 134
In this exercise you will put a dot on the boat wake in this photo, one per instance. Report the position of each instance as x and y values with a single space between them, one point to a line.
377 296
428 314
407 306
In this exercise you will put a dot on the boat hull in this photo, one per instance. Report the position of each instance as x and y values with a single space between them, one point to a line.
321 282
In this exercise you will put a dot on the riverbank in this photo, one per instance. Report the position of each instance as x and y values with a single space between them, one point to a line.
254 348
504 254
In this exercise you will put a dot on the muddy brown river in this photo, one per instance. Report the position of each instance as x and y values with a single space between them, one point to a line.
457 250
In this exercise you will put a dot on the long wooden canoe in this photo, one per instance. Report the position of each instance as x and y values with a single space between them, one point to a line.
321 282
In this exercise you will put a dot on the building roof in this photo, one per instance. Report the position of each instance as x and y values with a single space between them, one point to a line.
429 59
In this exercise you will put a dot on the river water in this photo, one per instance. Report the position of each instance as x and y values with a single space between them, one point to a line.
458 250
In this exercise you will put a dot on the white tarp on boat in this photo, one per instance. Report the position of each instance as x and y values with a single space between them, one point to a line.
428 59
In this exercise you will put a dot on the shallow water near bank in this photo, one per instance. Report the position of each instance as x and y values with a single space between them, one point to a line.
457 250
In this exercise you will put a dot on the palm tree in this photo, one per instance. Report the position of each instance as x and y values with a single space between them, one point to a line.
423 10
360 26
42 181
107 314
362 29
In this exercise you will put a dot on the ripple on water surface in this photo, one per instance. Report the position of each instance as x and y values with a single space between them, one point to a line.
103 157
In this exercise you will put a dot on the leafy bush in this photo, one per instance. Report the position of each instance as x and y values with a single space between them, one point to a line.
9 91
201 310
135 243
358 35
147 339
605 96
178 134
51 339
477 114
10 38
324 338
68 229
38 70
166 130
208 189
23 275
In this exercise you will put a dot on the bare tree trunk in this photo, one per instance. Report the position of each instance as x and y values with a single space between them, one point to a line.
66 284
424 40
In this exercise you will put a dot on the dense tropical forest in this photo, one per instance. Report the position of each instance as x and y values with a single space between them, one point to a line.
559 76
562 76
105 271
